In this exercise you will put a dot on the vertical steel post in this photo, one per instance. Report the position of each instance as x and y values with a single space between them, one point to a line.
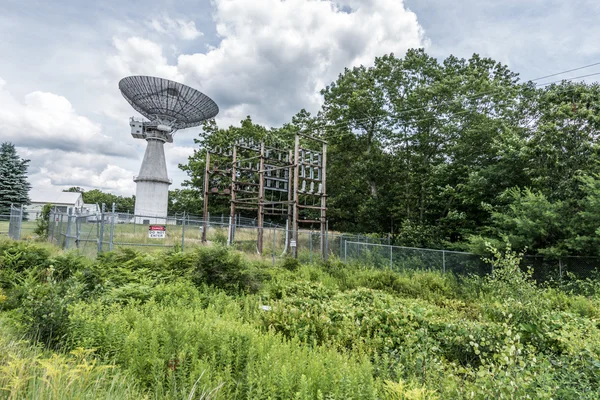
231 238
61 242
20 222
183 232
53 216
443 261
101 234
288 222
205 205
274 243
77 231
346 251
391 258
324 203
112 228
261 198
560 272
68 233
326 240
296 182
310 240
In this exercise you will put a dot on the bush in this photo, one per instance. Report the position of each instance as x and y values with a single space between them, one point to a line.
43 222
224 268
290 263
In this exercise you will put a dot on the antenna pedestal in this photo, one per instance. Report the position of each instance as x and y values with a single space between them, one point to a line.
152 185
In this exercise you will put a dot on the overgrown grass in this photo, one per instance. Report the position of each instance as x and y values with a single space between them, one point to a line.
29 372
210 323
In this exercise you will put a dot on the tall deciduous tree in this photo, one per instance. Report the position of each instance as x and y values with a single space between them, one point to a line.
14 187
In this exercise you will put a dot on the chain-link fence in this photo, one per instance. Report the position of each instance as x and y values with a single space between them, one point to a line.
399 258
4 225
105 231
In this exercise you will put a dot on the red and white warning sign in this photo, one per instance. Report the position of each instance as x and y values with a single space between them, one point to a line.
157 231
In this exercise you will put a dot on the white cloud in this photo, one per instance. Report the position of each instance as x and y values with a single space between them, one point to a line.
275 56
268 60
57 169
136 55
47 120
180 28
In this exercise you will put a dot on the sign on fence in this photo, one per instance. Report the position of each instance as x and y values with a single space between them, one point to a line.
157 231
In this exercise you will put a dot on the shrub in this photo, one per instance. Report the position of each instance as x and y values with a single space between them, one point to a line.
43 221
224 268
290 263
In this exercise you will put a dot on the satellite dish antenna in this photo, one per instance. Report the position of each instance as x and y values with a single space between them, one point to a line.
168 107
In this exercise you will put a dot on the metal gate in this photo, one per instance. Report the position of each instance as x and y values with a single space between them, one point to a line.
14 225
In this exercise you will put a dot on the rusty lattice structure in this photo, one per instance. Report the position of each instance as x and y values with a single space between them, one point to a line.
271 180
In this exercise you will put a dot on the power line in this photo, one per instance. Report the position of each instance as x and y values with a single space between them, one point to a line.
564 72
568 79
472 97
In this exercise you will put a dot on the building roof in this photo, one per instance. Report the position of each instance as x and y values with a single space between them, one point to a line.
54 197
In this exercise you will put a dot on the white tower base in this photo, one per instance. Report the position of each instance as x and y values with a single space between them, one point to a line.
152 184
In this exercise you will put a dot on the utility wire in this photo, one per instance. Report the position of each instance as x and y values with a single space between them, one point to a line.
471 97
564 72
568 79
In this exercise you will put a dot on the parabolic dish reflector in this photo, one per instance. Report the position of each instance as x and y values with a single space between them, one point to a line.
161 99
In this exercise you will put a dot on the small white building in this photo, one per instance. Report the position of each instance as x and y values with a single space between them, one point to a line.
62 201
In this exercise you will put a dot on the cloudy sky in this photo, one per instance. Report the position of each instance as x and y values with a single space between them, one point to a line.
61 61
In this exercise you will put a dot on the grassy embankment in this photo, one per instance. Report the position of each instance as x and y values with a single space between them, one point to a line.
211 324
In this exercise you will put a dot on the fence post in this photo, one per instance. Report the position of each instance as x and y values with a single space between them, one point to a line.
101 233
443 262
310 239
112 228
53 222
20 222
230 230
183 232
391 258
77 231
274 244
560 273
345 251
326 240
60 232
68 233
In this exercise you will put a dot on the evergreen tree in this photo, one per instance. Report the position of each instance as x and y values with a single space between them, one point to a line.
14 188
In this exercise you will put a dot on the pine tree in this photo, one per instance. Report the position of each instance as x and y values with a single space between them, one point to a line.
14 188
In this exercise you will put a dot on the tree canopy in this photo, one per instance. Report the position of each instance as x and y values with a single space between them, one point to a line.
447 153
14 187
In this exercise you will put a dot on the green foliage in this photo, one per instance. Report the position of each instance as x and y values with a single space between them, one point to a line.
28 372
170 347
187 201
43 221
290 263
187 324
221 267
468 150
96 196
14 187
